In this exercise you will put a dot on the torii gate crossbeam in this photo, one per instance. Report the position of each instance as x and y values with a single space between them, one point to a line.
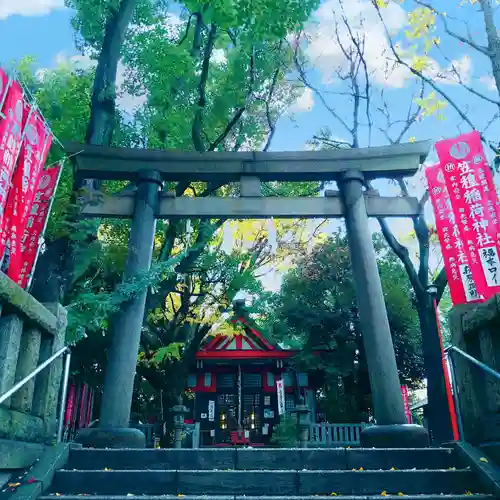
350 168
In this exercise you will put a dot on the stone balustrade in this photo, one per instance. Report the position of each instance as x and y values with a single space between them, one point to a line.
30 333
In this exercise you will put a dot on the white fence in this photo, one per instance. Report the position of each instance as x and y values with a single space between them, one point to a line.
332 435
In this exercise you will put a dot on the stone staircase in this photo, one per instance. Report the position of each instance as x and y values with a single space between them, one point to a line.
231 474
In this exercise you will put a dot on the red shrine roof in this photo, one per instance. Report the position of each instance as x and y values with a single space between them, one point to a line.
249 344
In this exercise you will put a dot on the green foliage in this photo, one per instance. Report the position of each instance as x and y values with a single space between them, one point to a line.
316 311
286 434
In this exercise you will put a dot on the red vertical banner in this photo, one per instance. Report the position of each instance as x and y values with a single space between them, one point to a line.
406 401
70 405
36 221
11 129
36 144
455 257
474 201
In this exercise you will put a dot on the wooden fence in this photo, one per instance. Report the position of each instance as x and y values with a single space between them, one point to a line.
333 435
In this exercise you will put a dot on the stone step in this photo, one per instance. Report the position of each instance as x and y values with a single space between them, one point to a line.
478 496
264 459
256 483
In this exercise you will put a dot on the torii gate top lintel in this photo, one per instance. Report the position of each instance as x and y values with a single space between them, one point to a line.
113 163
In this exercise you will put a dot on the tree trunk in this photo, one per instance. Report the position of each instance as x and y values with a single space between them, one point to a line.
55 268
439 417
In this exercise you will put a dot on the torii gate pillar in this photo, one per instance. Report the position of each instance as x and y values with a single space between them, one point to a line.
391 430
126 326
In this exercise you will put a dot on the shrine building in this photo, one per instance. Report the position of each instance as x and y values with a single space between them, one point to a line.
233 387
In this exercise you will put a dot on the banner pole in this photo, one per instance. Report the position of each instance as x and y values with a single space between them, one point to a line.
451 403
3 98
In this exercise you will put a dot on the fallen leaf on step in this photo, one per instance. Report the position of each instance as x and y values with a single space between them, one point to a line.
180 495
107 469
384 494
13 485
483 459
400 494
32 480
468 493
333 494
58 494
393 468
452 468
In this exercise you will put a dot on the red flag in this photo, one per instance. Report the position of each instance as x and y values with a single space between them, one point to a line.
456 262
11 127
36 144
474 201
36 222
406 401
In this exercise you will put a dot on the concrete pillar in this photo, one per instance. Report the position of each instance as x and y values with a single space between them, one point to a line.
113 430
391 429
27 362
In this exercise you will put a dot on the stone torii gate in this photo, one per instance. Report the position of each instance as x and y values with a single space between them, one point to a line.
352 169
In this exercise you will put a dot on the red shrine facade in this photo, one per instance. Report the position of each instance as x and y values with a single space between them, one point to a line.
233 387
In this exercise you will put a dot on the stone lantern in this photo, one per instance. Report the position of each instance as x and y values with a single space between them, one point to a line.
179 411
303 422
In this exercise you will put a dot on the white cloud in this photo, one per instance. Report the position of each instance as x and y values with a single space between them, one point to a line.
326 54
303 103
76 62
459 70
28 7
489 81
327 28
124 100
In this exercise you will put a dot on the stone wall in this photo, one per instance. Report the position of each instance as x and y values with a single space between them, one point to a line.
29 334
476 330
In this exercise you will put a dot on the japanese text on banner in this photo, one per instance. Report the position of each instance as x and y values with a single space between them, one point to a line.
34 150
456 264
11 128
35 225
474 202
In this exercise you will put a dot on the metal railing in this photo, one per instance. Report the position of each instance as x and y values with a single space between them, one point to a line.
474 361
64 391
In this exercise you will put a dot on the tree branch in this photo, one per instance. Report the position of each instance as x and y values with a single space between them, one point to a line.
468 41
196 131
403 254
420 75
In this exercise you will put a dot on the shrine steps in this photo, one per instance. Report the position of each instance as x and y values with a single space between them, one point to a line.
270 474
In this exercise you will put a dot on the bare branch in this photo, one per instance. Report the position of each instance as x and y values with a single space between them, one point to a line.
402 252
420 75
305 81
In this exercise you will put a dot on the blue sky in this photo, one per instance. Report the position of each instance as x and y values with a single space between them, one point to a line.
49 34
